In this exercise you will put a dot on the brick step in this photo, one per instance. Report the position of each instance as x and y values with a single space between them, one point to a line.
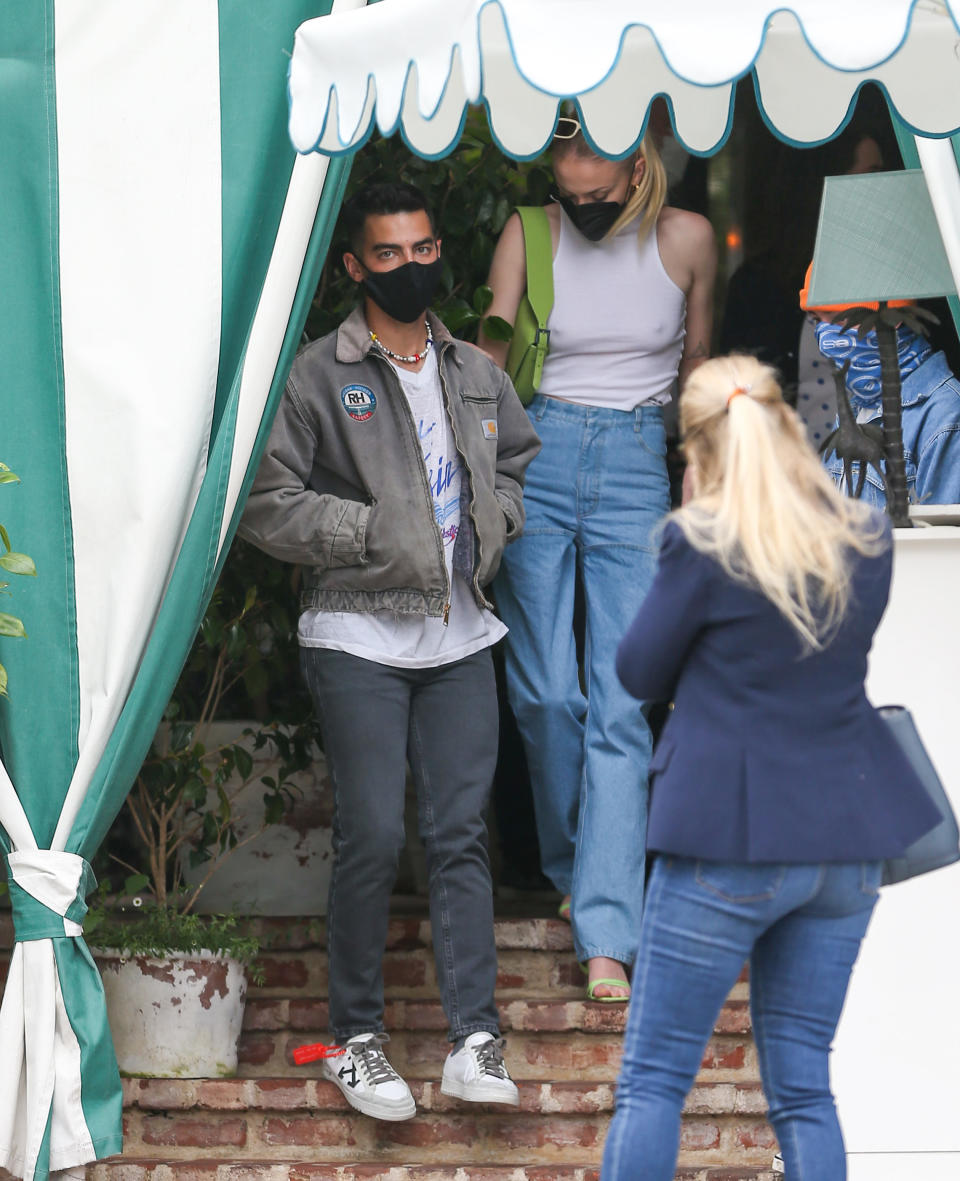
535 1015
561 1040
555 1122
120 1169
409 974
297 1094
561 1057
294 961
535 958
312 1121
406 932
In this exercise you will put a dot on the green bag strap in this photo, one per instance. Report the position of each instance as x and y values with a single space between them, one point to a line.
538 247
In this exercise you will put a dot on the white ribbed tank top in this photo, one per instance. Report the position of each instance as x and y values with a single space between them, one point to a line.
617 324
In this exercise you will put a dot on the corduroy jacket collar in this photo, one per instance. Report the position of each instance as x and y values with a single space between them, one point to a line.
353 336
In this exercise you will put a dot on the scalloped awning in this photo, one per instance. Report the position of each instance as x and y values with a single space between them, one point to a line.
417 64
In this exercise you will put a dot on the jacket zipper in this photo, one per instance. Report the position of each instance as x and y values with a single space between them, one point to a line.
424 477
480 596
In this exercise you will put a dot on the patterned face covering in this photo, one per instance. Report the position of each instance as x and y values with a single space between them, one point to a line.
863 378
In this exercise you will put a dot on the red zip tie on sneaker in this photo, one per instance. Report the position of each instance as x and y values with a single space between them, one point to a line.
305 1054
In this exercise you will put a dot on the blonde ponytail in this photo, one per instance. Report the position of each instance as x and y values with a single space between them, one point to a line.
763 505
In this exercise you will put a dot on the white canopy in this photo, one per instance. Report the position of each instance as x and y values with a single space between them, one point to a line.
418 63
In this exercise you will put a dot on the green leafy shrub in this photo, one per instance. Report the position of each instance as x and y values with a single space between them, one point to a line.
140 927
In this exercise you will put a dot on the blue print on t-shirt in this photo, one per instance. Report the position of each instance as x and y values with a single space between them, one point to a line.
441 475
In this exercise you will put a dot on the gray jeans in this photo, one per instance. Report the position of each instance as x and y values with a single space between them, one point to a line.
374 718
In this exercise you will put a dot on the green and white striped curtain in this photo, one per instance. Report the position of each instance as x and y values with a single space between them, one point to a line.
160 243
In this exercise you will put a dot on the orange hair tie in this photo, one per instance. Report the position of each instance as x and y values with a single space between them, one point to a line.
740 389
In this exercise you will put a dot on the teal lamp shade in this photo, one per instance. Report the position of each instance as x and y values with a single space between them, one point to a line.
878 239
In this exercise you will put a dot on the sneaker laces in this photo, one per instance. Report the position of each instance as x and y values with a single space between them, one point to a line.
373 1062
490 1057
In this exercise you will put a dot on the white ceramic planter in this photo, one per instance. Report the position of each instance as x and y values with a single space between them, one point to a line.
175 1017
285 870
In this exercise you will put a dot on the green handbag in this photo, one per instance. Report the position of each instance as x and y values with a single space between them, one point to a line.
531 336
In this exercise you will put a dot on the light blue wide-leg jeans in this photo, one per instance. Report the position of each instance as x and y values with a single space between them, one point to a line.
594 497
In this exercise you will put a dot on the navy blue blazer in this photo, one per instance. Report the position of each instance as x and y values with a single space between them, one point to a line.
769 754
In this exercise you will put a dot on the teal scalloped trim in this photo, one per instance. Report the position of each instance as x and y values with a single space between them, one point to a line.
353 146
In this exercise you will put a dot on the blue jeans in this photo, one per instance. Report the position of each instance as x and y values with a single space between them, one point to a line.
593 497
801 926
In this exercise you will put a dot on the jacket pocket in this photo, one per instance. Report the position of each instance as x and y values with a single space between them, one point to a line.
349 544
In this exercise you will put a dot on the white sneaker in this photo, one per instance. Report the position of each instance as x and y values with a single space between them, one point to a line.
477 1072
778 1165
368 1081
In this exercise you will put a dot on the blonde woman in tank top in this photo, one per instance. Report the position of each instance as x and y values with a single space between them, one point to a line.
633 292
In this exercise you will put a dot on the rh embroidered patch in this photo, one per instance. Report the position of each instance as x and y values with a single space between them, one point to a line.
489 428
359 401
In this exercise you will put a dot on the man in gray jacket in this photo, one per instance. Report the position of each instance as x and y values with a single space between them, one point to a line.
394 472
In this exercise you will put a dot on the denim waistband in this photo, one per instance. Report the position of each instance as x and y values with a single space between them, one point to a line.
543 406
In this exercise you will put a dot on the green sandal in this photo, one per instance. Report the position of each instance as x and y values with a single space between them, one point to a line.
608 1000
613 981
563 910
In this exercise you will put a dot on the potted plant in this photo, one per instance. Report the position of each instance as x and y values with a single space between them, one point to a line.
175 980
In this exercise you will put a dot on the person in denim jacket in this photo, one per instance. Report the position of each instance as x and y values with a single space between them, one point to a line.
930 395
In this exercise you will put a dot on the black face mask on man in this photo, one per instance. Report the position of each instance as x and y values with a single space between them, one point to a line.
406 292
595 219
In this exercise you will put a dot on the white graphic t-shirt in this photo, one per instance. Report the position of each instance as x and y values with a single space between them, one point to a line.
417 641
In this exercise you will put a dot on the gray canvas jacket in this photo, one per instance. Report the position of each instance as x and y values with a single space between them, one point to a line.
343 489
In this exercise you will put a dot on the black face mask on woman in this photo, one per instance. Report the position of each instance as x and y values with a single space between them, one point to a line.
406 292
595 219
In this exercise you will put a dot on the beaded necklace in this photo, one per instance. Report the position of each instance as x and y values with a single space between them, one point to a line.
399 356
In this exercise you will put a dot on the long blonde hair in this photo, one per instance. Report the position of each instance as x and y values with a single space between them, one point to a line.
649 195
763 505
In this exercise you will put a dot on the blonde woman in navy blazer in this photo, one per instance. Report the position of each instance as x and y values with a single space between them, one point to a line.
777 791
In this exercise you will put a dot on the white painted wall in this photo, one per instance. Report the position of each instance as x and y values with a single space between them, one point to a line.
895 1064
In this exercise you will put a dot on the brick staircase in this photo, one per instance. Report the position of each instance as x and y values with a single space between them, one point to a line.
279 1122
